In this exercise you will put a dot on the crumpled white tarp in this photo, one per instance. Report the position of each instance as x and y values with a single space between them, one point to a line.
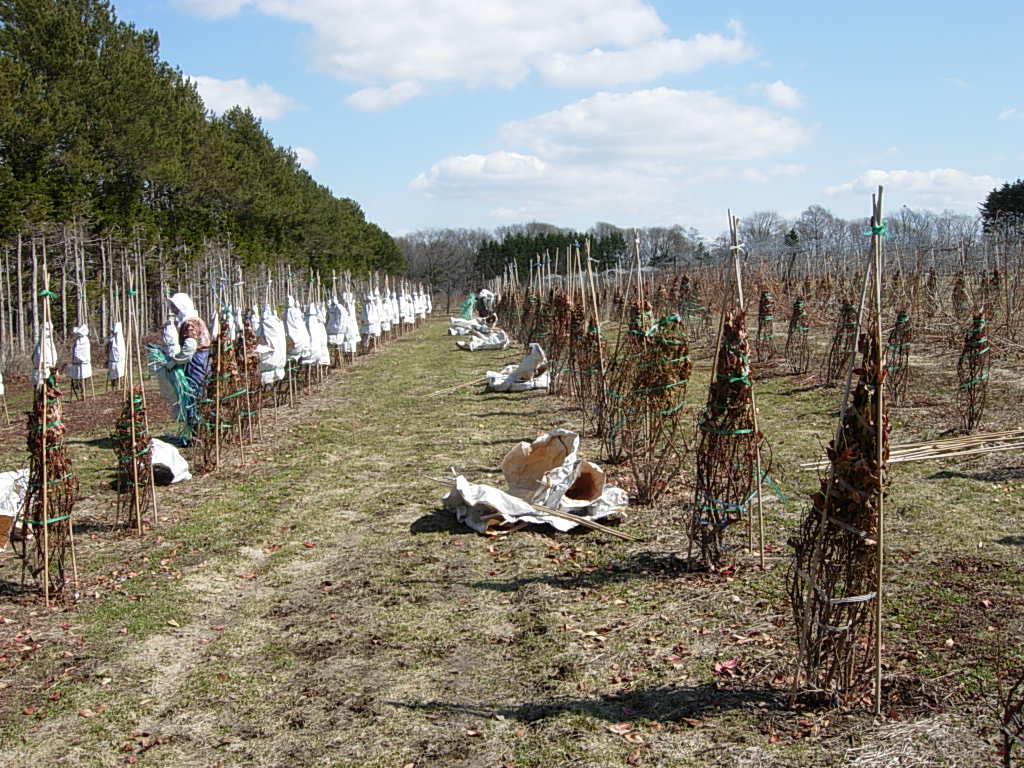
12 496
459 326
530 373
167 455
495 339
547 472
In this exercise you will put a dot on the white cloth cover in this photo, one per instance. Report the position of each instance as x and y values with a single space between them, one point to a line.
351 335
2 391
531 373
81 354
274 353
169 456
298 334
116 352
319 352
336 322
496 339
12 497
45 352
371 316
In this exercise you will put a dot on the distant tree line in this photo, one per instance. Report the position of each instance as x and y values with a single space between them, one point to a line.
96 129
814 238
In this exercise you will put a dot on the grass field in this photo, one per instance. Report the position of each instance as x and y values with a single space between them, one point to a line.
317 607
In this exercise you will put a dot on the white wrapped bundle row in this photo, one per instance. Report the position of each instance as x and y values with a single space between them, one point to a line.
547 472
530 373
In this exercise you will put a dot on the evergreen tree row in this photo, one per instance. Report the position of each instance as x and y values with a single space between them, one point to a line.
95 127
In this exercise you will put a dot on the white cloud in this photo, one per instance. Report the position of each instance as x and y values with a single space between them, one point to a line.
263 100
377 99
654 126
1006 114
782 95
212 9
381 43
643 154
307 158
937 189
469 170
644 62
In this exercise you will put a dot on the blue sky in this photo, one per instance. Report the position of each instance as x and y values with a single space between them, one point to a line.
437 113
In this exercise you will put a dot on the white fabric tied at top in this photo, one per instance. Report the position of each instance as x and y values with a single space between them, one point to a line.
81 354
45 354
371 316
116 353
274 351
298 333
319 352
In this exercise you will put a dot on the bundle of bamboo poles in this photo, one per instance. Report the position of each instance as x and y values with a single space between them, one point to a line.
947 448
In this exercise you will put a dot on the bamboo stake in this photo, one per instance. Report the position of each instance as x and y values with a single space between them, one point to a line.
876 249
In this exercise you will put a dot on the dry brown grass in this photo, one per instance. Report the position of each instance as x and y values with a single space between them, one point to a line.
400 638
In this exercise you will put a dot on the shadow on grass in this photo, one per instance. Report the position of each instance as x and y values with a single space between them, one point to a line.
1012 541
661 703
640 565
439 521
104 443
17 589
1000 475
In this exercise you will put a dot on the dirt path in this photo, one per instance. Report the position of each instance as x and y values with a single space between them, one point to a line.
323 610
